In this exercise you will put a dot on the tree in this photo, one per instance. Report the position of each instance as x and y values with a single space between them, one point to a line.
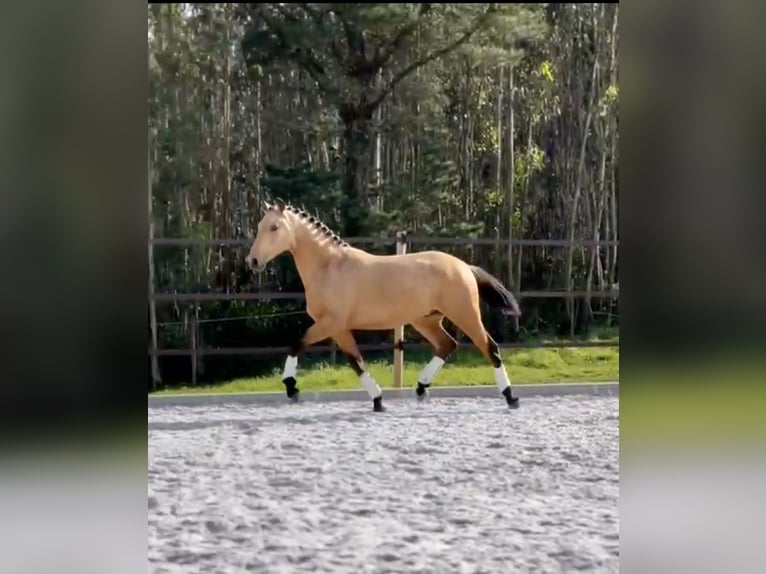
357 55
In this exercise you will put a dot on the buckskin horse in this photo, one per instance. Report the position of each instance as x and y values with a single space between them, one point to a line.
350 289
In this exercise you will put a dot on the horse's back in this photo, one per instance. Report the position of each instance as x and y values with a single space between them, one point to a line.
438 261
415 272
382 291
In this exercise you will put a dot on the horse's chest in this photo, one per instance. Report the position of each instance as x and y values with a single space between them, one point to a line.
315 307
324 300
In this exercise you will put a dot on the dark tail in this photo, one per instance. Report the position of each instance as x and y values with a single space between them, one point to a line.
495 294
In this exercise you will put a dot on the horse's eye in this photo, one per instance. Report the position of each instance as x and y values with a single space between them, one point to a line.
274 227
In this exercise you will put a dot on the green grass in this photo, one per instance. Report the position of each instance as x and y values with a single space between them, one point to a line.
465 367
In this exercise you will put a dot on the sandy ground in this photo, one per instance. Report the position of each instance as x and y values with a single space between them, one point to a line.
452 485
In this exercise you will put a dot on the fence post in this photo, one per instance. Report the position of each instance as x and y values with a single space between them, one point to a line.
401 249
194 345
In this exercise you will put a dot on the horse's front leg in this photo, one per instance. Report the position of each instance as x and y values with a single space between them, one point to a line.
317 332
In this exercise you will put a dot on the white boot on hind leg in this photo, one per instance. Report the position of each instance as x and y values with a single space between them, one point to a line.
373 389
288 378
426 376
504 385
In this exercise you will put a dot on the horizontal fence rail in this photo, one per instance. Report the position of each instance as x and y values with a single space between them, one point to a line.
196 351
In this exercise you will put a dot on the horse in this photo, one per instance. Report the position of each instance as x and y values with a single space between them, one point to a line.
349 289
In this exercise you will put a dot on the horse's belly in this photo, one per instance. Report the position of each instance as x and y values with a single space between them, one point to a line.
381 325
386 317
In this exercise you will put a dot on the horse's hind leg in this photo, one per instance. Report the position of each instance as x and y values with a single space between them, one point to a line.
347 345
468 320
443 345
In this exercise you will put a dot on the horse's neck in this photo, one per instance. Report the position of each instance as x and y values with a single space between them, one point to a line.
311 257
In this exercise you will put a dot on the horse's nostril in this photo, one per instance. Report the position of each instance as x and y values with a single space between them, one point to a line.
253 262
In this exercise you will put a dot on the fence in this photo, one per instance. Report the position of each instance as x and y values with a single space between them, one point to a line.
402 243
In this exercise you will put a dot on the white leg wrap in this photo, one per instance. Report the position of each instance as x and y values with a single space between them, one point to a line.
291 367
501 378
370 385
430 370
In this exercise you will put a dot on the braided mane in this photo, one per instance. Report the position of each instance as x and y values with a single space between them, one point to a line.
314 223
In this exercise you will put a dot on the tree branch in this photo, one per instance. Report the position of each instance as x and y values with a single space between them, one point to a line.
430 58
317 16
388 51
300 55
350 37
357 66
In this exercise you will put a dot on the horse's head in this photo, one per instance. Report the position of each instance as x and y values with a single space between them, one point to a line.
274 236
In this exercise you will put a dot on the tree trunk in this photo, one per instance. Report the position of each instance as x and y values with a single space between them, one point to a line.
578 188
357 131
596 231
613 219
228 219
511 174
523 203
378 175
499 175
156 378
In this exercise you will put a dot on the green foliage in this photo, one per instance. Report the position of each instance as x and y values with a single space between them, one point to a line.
528 163
317 191
546 71
610 100
516 222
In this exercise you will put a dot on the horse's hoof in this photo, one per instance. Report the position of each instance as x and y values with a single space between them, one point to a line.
513 402
421 392
377 405
291 387
295 397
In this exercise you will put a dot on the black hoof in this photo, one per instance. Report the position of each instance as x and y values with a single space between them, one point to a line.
513 402
377 405
421 392
291 387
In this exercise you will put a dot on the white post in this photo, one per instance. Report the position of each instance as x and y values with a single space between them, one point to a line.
401 249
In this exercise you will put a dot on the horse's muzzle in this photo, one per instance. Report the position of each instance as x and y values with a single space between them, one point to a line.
252 262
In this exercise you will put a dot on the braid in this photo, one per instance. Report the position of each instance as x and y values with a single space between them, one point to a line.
315 223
